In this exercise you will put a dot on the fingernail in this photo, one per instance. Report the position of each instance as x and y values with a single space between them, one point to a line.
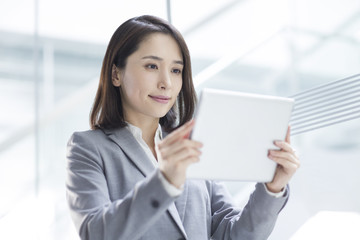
186 135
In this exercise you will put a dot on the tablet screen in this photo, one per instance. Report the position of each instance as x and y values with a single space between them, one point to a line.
237 130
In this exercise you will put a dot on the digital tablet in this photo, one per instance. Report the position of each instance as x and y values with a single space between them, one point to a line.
237 129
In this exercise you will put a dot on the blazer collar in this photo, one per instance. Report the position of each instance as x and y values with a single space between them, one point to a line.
126 141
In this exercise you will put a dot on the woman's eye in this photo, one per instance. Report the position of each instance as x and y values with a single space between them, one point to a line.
151 66
176 71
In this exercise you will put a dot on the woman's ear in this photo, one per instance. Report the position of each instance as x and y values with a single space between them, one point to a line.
115 76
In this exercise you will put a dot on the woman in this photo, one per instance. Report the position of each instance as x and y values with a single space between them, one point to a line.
127 176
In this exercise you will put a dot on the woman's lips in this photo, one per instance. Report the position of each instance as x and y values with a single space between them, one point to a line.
160 99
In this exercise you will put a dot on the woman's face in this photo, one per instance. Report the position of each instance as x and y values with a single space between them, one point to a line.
152 79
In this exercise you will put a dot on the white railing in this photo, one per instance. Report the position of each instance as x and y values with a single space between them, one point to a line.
326 105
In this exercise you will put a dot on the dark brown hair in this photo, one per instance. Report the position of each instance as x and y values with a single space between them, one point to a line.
107 109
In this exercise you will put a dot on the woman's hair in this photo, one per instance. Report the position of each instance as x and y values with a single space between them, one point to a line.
107 110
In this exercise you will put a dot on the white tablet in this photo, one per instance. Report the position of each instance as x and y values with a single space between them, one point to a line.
237 130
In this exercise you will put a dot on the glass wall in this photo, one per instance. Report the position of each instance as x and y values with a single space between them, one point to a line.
50 58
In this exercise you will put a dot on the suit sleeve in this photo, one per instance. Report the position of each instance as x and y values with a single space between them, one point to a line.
255 222
94 215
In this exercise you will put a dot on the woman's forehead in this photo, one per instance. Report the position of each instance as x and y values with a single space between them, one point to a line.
160 45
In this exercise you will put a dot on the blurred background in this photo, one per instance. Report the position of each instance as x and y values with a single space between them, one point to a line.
50 59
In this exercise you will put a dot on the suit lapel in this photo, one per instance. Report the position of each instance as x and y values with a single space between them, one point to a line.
175 215
126 141
181 201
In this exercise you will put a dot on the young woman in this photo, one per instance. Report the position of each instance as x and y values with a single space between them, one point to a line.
126 178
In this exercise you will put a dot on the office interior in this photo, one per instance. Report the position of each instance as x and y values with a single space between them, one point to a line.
50 58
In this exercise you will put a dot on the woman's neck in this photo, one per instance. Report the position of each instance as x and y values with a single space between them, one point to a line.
148 128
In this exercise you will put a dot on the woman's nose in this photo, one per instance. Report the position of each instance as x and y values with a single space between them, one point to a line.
165 80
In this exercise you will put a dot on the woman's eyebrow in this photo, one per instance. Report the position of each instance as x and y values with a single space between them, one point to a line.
160 59
153 57
179 62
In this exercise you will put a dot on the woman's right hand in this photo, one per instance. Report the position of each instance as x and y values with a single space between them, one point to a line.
176 152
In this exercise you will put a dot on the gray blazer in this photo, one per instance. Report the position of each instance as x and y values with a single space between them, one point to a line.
114 192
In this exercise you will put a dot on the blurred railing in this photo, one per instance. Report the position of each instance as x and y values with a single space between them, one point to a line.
332 103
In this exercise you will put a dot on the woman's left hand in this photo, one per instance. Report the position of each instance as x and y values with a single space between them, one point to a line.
288 163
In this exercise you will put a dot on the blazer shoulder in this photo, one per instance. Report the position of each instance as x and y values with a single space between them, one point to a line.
85 141
86 136
83 148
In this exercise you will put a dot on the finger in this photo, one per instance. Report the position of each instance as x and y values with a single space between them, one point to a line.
191 160
181 166
181 132
286 155
186 143
288 133
184 157
286 164
285 146
187 135
180 163
173 148
185 154
180 149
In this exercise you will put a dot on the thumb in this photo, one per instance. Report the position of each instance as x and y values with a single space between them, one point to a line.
287 138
